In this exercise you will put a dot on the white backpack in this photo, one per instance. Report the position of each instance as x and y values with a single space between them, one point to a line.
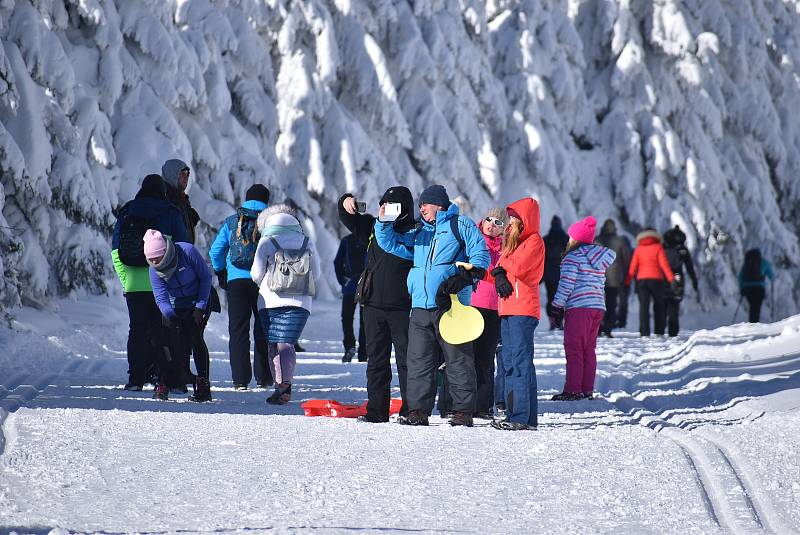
290 271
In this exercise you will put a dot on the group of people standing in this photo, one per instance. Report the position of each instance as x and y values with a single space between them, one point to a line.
261 256
268 265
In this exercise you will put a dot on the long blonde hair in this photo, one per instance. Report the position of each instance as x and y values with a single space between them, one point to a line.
511 235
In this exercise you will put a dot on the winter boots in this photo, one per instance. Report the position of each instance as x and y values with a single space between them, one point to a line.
202 391
567 396
282 394
162 392
349 353
505 425
415 417
460 418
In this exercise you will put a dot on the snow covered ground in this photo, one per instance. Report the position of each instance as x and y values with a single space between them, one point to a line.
699 434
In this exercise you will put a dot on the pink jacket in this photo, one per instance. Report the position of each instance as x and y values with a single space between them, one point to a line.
485 295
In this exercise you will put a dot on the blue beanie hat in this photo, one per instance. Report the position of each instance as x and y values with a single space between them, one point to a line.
435 194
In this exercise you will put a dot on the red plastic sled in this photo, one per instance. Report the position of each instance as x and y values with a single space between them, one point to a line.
334 409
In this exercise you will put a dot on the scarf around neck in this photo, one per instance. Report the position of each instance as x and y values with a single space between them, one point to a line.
166 268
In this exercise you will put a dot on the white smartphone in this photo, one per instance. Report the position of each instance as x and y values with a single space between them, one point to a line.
391 211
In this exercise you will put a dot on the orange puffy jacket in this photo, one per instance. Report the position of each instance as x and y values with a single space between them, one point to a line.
649 259
524 265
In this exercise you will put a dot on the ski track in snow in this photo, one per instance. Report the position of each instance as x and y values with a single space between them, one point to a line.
675 407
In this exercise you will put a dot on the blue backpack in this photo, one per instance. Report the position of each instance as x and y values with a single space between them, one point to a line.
244 237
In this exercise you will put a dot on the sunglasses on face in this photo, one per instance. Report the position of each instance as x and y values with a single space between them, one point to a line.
496 222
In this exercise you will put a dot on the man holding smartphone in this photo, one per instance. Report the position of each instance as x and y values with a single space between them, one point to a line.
385 303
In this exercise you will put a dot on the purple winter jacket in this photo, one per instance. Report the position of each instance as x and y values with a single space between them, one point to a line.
188 287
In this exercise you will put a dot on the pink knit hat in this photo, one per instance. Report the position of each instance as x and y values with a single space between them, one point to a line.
583 230
154 244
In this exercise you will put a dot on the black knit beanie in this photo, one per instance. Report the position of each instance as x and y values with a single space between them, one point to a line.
257 192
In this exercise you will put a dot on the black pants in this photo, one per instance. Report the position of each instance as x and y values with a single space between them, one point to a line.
651 290
673 309
242 305
755 298
610 316
348 313
185 339
485 350
423 338
552 287
622 306
144 331
385 328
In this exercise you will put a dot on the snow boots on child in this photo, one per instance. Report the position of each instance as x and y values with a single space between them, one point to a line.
202 390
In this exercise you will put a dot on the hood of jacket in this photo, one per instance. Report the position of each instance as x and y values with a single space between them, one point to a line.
528 211
402 195
648 237
148 207
443 215
595 256
171 169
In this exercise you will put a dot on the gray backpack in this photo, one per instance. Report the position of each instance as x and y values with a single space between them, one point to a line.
290 272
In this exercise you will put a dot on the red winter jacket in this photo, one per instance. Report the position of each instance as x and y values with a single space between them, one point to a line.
524 265
649 259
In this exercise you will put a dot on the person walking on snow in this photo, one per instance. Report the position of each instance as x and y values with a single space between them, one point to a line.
615 275
182 285
678 257
348 265
385 303
232 254
752 282
176 176
286 269
650 267
517 278
442 239
149 207
581 292
554 244
484 298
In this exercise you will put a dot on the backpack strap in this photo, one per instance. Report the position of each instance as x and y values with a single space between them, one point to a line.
462 246
275 243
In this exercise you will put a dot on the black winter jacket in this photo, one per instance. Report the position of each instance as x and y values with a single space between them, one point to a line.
389 272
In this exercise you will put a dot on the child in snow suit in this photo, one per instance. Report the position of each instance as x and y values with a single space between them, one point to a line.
230 257
581 292
752 282
517 277
650 267
181 284
284 309
678 257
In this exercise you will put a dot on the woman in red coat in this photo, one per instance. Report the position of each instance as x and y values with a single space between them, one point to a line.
651 268
517 280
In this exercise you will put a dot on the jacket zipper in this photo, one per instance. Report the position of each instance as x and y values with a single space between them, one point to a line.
516 288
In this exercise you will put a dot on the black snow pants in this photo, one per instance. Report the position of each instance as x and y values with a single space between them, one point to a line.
385 328
651 290
242 306
144 330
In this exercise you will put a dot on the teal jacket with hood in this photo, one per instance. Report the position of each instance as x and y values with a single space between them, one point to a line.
434 250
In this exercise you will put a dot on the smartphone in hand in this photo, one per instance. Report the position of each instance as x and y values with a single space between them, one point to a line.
391 211
361 207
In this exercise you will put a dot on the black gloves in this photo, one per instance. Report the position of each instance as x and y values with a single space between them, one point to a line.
199 316
558 315
169 323
501 284
443 300
222 278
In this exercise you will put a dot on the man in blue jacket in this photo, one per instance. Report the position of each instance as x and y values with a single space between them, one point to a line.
232 256
442 238
150 209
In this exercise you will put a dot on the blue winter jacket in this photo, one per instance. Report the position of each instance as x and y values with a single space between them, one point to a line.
188 287
766 271
166 218
583 277
434 250
220 249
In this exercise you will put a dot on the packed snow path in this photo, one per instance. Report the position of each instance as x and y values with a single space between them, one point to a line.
697 434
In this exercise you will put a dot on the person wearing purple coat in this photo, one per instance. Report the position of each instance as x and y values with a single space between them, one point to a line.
181 284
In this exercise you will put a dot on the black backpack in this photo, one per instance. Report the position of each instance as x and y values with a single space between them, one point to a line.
132 228
244 238
752 266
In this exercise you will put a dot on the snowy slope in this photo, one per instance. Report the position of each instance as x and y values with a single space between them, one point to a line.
694 435
654 113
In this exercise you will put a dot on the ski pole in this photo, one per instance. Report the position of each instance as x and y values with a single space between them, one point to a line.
771 301
737 309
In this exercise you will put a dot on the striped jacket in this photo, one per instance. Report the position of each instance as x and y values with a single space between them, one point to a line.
583 278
